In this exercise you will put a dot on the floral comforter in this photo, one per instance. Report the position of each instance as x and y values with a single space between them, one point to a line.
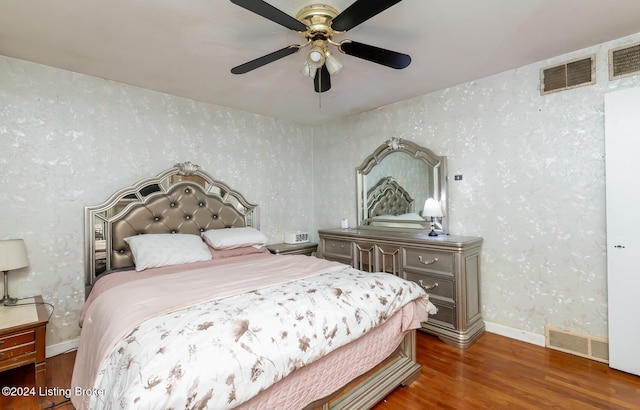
220 352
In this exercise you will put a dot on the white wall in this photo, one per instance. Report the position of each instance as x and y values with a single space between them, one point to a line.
68 140
533 185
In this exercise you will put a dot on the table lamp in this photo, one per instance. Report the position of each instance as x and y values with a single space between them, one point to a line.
13 255
432 210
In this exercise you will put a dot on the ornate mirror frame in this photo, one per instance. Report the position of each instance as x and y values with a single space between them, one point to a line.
437 179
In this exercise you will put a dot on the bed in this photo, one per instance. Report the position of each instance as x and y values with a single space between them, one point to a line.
388 197
390 205
185 308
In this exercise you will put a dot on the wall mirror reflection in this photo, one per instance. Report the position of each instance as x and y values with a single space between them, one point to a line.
394 183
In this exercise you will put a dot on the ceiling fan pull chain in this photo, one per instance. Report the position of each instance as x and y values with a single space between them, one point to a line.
320 88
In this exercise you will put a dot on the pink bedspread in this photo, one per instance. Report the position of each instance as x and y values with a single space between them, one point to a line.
334 371
169 307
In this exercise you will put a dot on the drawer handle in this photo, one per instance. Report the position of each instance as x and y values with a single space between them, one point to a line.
435 285
431 262
1 355
333 245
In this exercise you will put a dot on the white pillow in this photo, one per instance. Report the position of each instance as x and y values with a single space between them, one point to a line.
156 250
232 238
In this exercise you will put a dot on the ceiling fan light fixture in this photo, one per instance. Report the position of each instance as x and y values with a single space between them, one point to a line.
333 64
315 58
308 70
317 24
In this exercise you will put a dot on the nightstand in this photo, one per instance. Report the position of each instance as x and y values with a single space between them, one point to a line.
23 331
307 248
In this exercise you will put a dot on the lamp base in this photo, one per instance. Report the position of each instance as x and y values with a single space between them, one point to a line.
7 301
433 225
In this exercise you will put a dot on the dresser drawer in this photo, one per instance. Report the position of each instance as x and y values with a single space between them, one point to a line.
15 339
428 261
337 248
446 316
444 290
16 345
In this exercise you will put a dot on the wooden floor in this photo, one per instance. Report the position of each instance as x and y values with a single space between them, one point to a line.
495 373
502 373
59 370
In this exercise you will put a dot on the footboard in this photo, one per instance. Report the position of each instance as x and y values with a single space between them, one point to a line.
367 390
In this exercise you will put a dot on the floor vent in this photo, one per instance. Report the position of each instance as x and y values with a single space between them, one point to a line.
594 348
624 61
572 74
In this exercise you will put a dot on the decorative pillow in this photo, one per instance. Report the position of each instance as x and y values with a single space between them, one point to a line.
156 250
245 250
232 238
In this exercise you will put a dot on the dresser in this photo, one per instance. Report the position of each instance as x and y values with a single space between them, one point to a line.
447 266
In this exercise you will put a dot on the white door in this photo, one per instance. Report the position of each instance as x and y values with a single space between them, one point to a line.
622 149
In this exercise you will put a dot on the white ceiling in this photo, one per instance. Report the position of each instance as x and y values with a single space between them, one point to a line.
187 47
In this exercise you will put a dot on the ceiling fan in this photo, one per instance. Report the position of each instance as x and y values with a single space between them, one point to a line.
317 24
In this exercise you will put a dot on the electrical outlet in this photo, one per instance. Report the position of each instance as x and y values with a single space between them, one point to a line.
458 178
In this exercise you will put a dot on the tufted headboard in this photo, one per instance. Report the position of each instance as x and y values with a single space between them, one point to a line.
183 199
387 197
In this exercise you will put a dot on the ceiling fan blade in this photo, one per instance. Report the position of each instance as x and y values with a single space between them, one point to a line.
322 80
267 11
374 54
360 11
269 58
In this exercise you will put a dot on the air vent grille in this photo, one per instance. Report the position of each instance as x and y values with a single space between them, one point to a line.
572 74
624 61
591 347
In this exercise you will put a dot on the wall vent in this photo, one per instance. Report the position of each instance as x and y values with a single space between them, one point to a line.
594 348
572 74
624 61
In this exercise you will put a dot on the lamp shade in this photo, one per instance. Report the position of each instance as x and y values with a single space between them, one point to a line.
308 70
432 208
13 254
315 58
334 66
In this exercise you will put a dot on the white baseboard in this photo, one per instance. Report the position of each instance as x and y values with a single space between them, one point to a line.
64 347
517 334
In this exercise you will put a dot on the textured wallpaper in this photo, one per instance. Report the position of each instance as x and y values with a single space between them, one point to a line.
533 185
532 167
69 140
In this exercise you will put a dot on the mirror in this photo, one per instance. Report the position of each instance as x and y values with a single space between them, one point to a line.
102 218
394 182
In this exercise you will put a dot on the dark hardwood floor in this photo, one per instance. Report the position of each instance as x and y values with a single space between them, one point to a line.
502 373
495 373
59 370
